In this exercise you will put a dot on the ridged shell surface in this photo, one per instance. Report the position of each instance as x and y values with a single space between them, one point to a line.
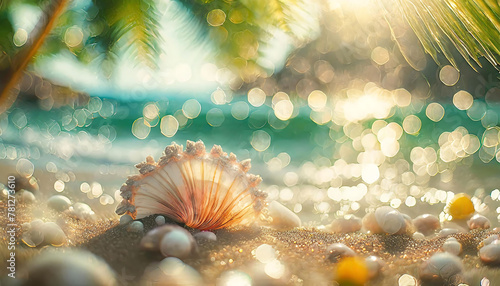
203 190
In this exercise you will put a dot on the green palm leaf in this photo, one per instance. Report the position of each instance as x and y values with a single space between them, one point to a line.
470 26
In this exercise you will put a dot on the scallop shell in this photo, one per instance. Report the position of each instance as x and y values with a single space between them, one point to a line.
203 190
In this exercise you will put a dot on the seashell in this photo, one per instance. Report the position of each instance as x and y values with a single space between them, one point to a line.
81 211
426 224
407 280
171 272
440 268
53 234
282 217
59 203
337 251
345 225
71 267
489 240
385 220
451 245
478 221
203 190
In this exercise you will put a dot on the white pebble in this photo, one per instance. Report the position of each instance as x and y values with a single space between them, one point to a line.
374 265
478 221
125 219
282 217
426 224
389 219
440 268
82 211
205 236
26 197
407 280
59 203
451 245
171 272
490 239
160 220
490 254
135 226
447 231
53 234
345 225
418 236
176 243
337 251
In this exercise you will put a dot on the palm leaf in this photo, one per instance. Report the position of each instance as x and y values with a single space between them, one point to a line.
131 27
470 26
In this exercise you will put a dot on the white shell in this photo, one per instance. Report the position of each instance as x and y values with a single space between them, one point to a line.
451 245
490 254
385 220
82 211
53 234
203 190
59 203
282 217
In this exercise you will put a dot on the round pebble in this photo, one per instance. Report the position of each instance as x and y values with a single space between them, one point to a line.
59 203
451 245
53 234
282 217
374 265
447 231
426 224
160 220
135 226
58 268
418 236
389 219
176 243
489 239
490 254
171 272
151 241
205 236
478 221
26 197
440 268
345 225
337 251
125 219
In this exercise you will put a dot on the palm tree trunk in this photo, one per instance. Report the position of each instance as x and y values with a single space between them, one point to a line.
19 62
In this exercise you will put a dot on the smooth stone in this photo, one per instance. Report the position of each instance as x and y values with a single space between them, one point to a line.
69 267
176 243
407 280
151 241
59 203
426 224
345 225
171 272
337 251
490 254
389 219
451 245
53 234
205 236
490 239
125 219
478 221
447 231
135 226
440 268
418 236
160 220
282 217
26 197
374 265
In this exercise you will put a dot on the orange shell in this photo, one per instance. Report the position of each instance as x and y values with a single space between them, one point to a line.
203 190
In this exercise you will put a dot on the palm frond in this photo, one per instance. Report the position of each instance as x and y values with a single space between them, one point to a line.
470 26
131 26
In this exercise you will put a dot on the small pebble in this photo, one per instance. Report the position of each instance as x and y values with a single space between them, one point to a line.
160 220
337 251
374 265
440 268
176 243
478 221
407 280
490 254
282 217
205 236
418 236
451 245
125 219
426 224
171 272
384 220
489 239
447 231
53 234
135 226
151 241
345 225
59 203
26 197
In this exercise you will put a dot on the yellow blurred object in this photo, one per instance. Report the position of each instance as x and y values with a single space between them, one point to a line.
461 206
352 271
